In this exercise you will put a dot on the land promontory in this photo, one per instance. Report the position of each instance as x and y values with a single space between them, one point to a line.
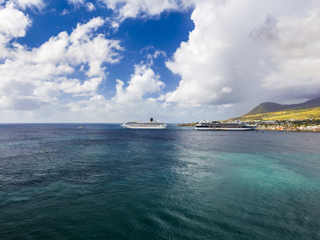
273 116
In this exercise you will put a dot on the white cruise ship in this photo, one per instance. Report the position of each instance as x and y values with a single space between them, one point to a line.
214 125
135 124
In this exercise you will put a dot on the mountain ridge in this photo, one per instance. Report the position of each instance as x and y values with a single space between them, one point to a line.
267 107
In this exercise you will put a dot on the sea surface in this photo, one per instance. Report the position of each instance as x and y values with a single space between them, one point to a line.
59 181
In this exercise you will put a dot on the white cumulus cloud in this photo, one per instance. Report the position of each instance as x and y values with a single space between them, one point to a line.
40 75
39 4
143 8
90 7
248 51
144 81
76 2
13 22
203 62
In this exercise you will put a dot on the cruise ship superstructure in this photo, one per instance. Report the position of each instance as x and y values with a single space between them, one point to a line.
135 124
215 125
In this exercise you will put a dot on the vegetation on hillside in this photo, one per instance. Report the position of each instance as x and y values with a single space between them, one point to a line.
310 113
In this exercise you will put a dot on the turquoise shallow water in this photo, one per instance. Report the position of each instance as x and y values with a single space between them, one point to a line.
103 182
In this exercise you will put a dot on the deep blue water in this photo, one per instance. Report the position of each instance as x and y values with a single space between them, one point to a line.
103 182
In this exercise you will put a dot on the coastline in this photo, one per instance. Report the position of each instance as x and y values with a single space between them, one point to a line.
187 124
278 128
287 130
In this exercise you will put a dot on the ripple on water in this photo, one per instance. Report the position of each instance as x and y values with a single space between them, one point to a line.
104 182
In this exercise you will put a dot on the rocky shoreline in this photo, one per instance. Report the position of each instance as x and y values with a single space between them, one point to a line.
288 130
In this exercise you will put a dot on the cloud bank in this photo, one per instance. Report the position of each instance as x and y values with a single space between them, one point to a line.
34 78
238 55
293 45
230 55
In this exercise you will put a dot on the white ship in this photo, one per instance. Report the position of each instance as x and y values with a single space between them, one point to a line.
135 124
214 125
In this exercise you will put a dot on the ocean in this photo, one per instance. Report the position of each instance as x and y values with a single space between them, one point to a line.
59 181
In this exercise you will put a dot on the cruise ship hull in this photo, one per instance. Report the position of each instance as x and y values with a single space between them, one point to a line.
218 126
151 125
223 129
142 127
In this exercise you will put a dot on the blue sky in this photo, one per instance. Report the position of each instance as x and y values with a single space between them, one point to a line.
176 61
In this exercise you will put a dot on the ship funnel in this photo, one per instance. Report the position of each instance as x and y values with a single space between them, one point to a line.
151 119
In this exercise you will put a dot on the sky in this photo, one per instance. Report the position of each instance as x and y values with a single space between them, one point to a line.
111 61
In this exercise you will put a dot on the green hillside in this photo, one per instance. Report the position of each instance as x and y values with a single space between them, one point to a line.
297 114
